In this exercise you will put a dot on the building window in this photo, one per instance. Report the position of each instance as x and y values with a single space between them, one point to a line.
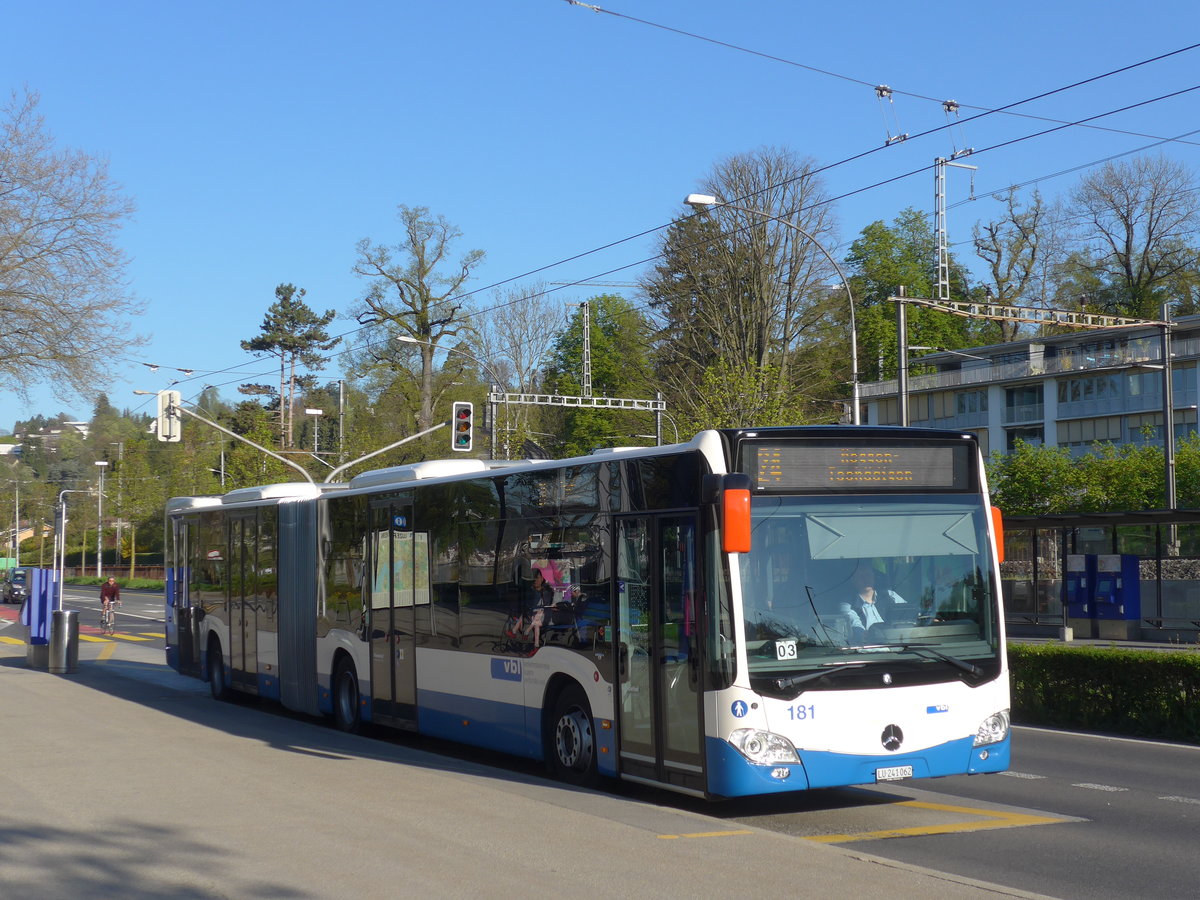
968 402
1031 436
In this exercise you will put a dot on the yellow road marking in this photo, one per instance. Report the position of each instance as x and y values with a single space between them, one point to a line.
93 639
129 637
154 634
106 652
990 819
8 640
703 834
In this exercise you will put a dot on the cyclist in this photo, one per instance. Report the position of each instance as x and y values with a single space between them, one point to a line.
110 595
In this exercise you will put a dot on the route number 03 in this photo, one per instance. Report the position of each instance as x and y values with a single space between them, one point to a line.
785 649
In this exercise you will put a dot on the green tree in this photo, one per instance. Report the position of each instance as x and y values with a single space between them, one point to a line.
1034 480
143 501
618 332
1120 479
295 335
904 254
246 466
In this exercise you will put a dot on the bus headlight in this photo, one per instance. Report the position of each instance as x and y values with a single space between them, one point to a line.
993 729
763 748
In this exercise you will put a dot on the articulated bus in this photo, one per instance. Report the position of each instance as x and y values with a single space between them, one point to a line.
753 611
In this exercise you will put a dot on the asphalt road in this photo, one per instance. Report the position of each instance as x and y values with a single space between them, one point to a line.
126 780
1079 816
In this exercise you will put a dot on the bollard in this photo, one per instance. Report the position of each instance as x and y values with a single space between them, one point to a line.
64 642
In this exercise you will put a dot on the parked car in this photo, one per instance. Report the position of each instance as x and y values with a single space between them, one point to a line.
16 586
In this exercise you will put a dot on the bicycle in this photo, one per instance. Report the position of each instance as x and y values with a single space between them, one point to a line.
108 617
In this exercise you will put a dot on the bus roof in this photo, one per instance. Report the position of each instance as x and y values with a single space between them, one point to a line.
288 490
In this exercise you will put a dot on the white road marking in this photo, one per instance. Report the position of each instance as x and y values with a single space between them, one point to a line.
1100 787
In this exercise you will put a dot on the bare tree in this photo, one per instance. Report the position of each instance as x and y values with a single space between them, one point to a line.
63 296
516 336
1017 248
519 330
417 295
1138 221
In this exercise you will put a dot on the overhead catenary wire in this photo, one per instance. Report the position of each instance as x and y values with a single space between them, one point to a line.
819 170
873 85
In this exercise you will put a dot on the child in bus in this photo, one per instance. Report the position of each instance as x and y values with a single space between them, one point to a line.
542 598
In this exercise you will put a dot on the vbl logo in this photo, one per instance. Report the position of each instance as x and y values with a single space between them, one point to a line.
506 669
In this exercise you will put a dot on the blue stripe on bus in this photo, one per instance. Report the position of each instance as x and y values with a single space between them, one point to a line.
731 775
484 723
504 727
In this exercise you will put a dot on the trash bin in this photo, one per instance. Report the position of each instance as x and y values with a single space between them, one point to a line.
37 653
64 642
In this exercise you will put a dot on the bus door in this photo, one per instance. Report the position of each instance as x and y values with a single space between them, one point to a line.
393 642
243 603
660 714
182 653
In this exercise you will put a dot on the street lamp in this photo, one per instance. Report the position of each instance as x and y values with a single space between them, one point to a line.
497 382
120 445
704 201
16 522
101 465
61 537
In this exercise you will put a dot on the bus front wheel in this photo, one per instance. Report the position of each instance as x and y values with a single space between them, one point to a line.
346 713
571 742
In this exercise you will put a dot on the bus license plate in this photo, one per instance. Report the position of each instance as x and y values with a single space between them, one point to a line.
893 773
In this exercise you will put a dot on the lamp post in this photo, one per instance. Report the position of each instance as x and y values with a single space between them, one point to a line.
120 445
17 522
704 201
101 465
60 561
496 382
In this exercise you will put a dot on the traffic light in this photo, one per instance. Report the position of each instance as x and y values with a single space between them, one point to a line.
462 427
170 419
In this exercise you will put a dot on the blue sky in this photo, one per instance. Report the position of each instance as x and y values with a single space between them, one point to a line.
262 140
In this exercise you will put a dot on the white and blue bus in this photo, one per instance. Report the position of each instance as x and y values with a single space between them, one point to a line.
753 611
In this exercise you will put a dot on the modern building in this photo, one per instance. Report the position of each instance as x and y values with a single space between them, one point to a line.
1069 390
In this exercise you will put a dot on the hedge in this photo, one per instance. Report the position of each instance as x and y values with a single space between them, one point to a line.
1145 693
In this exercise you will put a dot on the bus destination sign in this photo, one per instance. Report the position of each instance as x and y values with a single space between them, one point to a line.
842 467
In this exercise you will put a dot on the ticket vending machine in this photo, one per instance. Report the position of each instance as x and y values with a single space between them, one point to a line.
1080 584
1118 591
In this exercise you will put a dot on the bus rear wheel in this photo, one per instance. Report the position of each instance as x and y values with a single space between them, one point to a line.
346 714
571 742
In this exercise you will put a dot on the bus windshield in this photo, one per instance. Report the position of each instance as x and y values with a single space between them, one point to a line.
835 585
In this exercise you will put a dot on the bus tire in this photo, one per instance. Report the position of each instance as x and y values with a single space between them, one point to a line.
571 738
217 684
346 714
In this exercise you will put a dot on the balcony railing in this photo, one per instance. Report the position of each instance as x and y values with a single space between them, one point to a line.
1139 351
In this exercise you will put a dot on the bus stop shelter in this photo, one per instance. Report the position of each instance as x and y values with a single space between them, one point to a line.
1121 576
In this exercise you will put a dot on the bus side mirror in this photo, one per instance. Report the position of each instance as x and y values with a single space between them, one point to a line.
998 528
735 513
